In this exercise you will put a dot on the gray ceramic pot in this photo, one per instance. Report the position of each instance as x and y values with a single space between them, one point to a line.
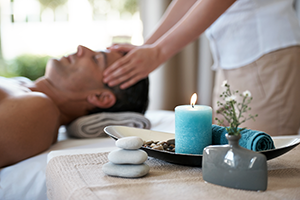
234 166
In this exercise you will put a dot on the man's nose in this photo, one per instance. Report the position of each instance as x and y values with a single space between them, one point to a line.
81 50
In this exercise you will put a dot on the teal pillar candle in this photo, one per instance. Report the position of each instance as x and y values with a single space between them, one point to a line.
193 128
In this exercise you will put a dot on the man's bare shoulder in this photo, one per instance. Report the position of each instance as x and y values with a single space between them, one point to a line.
20 104
31 102
29 109
29 124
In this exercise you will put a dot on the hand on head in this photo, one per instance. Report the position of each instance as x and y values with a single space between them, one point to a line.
182 24
134 66
121 47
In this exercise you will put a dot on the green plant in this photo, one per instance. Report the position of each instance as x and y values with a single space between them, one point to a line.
52 3
28 65
232 111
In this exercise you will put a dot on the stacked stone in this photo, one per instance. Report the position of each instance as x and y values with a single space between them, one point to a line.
128 160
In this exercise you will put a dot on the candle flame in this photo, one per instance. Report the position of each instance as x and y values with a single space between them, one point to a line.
193 99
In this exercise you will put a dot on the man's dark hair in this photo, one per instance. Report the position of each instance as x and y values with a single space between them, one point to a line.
132 99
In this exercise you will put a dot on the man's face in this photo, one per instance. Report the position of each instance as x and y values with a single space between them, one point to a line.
81 70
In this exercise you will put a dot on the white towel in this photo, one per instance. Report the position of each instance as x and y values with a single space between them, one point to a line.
91 126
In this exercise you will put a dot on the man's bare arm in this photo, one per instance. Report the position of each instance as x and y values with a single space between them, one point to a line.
28 126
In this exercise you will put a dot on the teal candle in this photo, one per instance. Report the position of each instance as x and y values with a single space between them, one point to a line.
193 128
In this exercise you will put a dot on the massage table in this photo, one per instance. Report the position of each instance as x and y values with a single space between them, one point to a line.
26 180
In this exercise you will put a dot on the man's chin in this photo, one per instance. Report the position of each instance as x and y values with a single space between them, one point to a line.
53 64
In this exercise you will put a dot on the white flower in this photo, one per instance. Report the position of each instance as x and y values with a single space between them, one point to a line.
230 98
247 93
224 83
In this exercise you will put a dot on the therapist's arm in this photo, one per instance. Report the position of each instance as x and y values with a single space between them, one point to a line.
190 27
140 61
175 11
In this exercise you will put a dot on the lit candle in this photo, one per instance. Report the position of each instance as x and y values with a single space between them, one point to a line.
193 126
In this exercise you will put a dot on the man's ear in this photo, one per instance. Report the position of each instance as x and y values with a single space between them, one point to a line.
103 99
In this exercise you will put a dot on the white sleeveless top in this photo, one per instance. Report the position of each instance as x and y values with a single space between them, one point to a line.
250 29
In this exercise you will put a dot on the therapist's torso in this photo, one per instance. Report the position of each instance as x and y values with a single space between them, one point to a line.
250 29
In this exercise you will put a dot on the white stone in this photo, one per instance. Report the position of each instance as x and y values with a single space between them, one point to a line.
123 156
131 142
125 171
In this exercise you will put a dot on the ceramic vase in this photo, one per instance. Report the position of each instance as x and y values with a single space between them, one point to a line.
234 166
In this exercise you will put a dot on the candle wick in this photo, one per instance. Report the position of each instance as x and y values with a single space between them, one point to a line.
192 105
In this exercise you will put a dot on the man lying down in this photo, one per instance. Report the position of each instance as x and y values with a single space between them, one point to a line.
32 112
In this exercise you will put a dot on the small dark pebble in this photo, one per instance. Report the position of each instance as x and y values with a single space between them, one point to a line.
171 141
165 145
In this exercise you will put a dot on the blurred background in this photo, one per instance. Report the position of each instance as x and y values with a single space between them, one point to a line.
32 31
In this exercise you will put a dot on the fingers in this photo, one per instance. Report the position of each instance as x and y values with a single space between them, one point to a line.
114 44
128 74
121 47
119 77
123 65
108 72
130 82
127 79
122 74
119 73
134 66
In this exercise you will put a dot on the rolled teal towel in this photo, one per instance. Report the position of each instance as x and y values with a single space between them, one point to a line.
250 139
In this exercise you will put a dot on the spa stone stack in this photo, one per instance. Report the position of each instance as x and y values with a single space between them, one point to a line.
127 161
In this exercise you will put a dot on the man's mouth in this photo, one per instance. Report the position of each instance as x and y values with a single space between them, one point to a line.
68 58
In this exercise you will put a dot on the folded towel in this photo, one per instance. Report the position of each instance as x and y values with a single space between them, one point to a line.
91 126
250 139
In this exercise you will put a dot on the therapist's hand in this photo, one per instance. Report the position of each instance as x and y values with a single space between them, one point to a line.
121 47
134 66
